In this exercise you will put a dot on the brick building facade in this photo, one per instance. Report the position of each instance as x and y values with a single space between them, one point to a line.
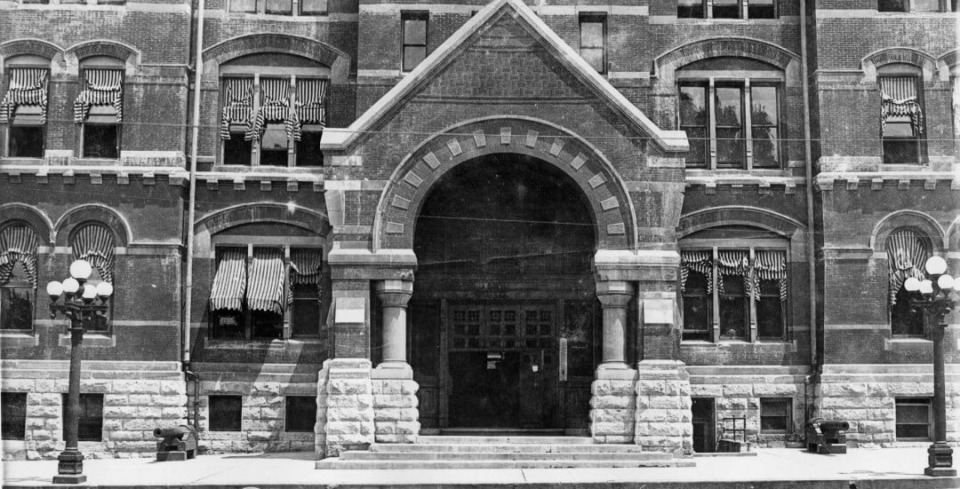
435 218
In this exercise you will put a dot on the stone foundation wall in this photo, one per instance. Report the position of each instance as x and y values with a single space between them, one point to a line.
396 417
349 405
663 407
613 406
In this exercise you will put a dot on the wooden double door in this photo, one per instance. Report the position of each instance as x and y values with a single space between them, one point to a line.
504 366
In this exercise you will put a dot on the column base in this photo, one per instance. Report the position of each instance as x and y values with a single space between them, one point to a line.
69 479
393 370
940 459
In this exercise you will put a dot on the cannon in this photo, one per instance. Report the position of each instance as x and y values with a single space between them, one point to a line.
178 443
827 436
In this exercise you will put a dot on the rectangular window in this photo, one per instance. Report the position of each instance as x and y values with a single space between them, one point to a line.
764 118
697 308
414 38
36 2
313 7
308 148
25 104
90 427
775 415
236 150
101 95
734 308
279 7
925 6
225 413
306 310
726 9
902 115
13 415
17 297
301 414
905 320
770 311
243 6
892 5
761 9
913 419
690 9
593 34
729 126
694 119
273 146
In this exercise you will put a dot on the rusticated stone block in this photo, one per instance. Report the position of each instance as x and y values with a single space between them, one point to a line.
395 401
611 402
612 388
347 414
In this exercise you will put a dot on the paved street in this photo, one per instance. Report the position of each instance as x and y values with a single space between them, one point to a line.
770 468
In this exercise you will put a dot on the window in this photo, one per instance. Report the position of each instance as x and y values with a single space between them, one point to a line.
313 7
301 414
907 253
95 244
414 38
916 6
726 9
901 115
225 413
775 416
691 9
748 302
23 108
18 276
593 35
761 9
913 419
722 134
248 299
90 427
13 415
279 7
273 121
243 6
99 107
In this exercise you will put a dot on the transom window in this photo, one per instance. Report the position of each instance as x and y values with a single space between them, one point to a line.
726 9
266 292
917 5
722 133
23 107
280 7
273 120
901 114
414 32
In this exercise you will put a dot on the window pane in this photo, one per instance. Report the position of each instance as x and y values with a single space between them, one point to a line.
904 318
283 7
308 149
898 126
690 9
415 32
699 147
412 56
764 102
228 324
225 413
16 308
734 307
267 324
90 426
313 7
301 414
236 151
273 146
26 141
773 408
766 147
306 310
13 414
913 431
693 106
917 414
593 57
696 307
726 9
591 34
761 9
769 310
100 140
892 5
925 6
728 106
730 148
901 151
247 6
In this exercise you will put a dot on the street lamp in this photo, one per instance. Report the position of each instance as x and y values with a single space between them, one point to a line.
936 297
78 306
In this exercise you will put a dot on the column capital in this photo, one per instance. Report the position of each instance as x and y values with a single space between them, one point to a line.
615 293
394 293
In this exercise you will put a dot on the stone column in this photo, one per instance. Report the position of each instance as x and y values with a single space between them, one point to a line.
613 401
394 296
396 417
614 297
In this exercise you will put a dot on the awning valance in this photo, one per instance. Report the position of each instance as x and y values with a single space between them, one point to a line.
907 254
274 106
237 104
28 86
95 244
18 244
265 281
898 97
309 108
697 261
100 87
770 265
230 282
305 268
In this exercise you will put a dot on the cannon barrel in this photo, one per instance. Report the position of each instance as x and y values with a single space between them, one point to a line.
176 432
834 425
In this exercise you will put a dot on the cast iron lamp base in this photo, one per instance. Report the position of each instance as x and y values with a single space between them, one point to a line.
940 458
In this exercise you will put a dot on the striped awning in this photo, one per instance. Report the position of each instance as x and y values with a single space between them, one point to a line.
309 109
95 244
898 97
907 253
733 262
770 265
28 86
18 244
230 282
305 268
237 104
100 87
274 106
265 280
698 261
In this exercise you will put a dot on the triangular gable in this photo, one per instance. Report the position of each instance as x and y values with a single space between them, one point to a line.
668 141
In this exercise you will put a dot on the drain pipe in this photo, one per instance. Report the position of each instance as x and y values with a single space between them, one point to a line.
192 195
811 222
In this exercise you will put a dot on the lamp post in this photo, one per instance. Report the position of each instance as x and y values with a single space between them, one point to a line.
78 306
936 297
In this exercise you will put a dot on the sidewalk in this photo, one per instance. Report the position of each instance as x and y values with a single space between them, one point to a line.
892 468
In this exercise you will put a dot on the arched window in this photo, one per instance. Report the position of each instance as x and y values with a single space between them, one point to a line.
901 113
18 276
23 108
95 243
907 251
99 106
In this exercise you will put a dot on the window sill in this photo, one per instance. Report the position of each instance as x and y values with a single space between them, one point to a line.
19 338
94 340
905 343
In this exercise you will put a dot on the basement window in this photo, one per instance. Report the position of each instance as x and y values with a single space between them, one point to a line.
225 413
13 415
301 414
913 419
90 427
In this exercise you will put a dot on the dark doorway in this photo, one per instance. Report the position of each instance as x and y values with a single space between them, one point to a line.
704 425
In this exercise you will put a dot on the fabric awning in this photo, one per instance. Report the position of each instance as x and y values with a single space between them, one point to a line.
733 262
28 86
18 244
237 104
309 107
907 254
898 97
274 106
230 282
101 87
698 261
265 281
95 244
305 268
770 265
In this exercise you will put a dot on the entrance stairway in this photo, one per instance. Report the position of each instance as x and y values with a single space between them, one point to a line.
500 452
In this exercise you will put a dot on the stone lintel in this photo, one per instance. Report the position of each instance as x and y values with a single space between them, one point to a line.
638 265
357 264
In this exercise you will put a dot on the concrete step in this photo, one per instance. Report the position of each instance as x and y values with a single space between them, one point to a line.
503 448
337 464
535 440
510 456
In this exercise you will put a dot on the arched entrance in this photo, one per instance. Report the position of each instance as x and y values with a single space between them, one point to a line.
504 313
